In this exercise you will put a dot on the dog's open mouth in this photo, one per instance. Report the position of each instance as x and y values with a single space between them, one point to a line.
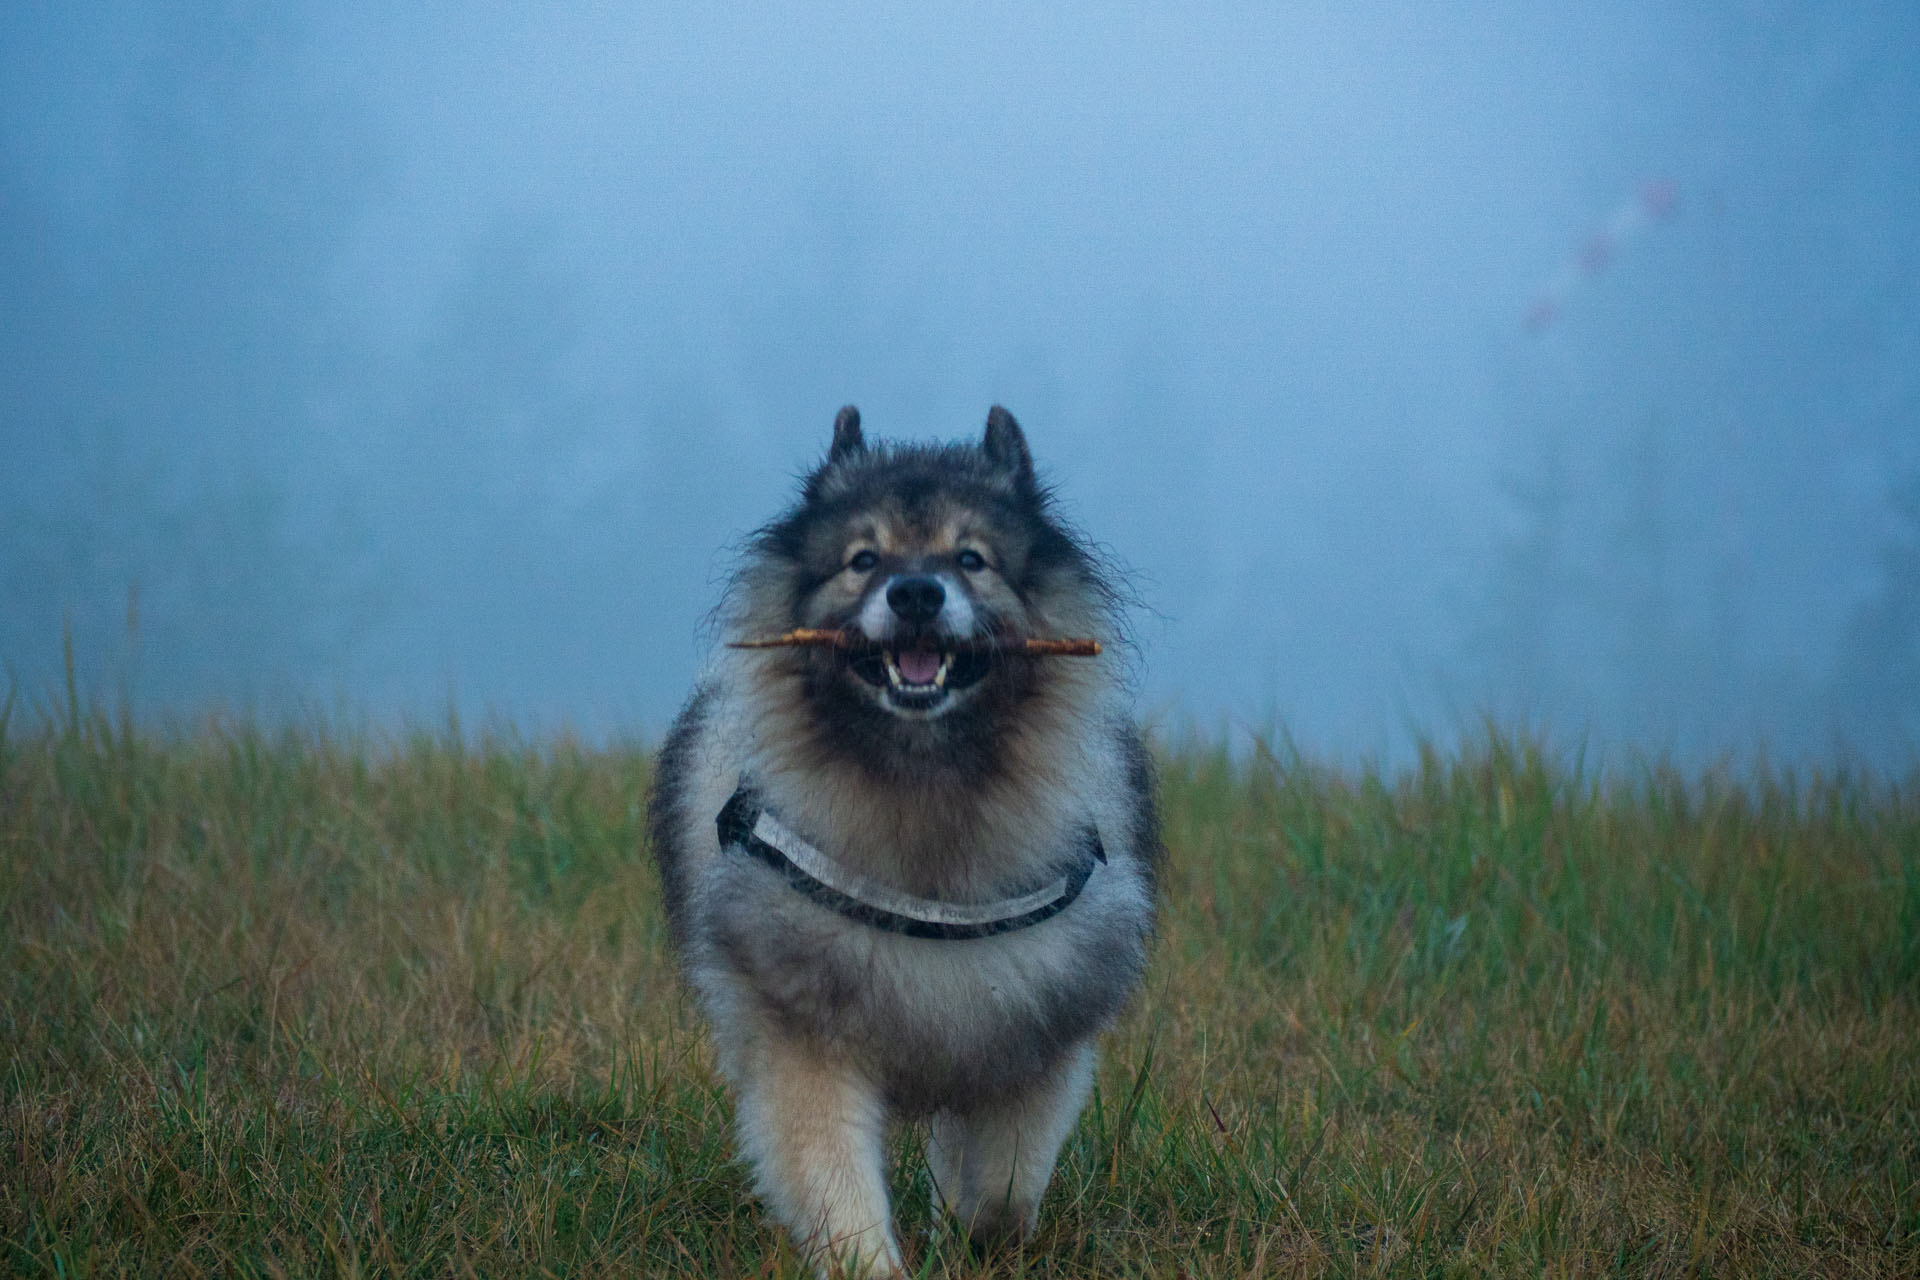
919 678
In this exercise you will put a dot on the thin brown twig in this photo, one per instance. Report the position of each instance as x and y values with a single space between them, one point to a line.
1032 647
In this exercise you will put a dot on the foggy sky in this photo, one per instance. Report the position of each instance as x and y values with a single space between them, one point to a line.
402 360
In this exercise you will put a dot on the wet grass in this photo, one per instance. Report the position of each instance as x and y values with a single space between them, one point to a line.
301 1001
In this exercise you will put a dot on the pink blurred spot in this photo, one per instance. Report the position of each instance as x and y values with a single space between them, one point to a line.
1540 314
1660 198
1596 253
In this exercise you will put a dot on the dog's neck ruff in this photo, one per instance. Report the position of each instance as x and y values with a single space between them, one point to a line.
743 824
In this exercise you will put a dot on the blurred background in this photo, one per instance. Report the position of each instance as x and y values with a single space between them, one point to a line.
1424 361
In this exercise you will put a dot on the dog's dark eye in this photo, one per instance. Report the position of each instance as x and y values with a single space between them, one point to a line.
863 561
971 561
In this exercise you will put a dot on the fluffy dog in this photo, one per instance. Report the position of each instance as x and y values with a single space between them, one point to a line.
910 876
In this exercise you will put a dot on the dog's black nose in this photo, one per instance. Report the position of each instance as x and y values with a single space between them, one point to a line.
917 599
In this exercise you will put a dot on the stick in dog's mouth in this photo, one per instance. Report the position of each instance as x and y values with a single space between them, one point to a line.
854 641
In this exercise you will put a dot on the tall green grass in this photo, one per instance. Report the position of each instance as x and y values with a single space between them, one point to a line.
298 1001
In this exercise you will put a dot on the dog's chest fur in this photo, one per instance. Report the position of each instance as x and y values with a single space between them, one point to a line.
937 1023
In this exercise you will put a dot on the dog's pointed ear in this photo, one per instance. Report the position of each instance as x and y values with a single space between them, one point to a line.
1006 447
847 439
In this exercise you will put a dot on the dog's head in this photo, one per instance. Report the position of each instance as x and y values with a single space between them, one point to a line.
931 559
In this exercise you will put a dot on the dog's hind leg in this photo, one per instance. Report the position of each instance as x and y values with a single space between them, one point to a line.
990 1164
814 1131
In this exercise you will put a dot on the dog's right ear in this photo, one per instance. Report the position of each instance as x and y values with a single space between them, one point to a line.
1006 447
847 439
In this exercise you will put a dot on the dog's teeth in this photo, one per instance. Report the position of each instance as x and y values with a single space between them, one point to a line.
893 673
940 676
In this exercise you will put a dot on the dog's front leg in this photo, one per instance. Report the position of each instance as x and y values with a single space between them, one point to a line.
814 1131
991 1164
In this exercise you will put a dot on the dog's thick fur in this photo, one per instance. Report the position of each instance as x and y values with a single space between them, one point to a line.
978 790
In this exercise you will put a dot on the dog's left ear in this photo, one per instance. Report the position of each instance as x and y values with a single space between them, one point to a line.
847 439
1006 447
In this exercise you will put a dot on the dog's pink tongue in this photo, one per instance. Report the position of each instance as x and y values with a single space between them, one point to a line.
917 667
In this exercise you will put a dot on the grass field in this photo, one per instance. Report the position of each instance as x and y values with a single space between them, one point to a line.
306 1002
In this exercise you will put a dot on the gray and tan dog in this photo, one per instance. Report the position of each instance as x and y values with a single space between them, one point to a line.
909 876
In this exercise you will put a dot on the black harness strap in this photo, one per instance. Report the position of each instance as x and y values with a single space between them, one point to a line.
741 826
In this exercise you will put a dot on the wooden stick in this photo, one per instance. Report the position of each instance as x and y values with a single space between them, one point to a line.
1030 648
